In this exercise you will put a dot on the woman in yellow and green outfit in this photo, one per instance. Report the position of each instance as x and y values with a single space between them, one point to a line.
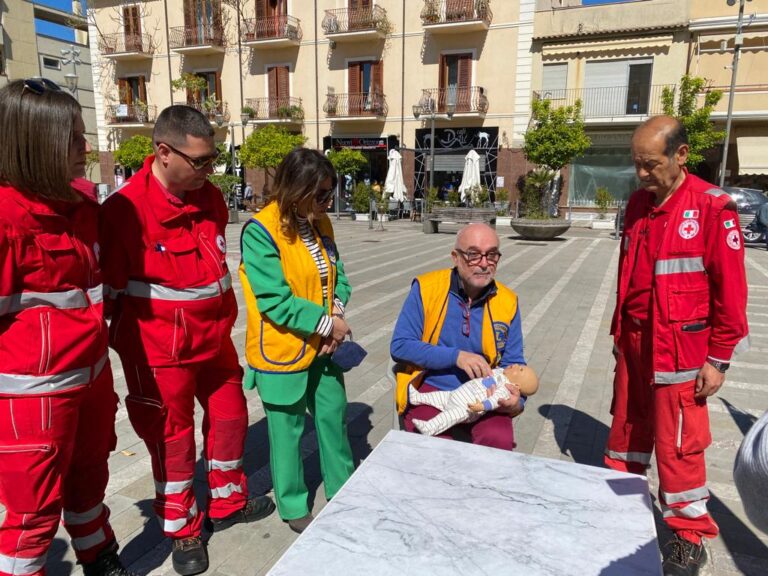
295 292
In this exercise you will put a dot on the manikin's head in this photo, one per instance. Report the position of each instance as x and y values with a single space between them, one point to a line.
525 378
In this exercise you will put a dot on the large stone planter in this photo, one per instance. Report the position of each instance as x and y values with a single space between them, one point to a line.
540 229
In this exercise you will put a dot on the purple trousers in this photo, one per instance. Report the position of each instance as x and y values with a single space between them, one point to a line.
493 429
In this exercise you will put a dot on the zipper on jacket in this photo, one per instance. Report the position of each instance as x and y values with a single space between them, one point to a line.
14 449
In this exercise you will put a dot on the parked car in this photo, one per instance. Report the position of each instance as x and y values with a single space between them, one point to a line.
748 202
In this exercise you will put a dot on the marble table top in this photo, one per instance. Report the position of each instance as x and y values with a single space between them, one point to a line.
421 505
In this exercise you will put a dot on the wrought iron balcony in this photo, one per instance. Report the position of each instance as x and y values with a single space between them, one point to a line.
471 100
456 15
356 23
120 46
211 109
197 39
271 32
139 113
357 106
278 109
610 102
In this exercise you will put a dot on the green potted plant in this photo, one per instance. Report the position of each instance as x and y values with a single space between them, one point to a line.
249 111
361 201
603 199
430 14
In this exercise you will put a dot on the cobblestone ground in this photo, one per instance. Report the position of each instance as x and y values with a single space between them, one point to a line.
566 292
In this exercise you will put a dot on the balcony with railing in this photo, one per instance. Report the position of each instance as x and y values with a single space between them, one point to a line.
197 39
469 101
271 32
139 114
356 106
609 104
280 109
450 16
749 100
214 110
121 46
356 24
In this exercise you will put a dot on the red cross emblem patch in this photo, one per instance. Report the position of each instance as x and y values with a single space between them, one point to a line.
688 229
733 239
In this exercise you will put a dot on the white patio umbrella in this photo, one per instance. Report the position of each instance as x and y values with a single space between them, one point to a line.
471 176
394 184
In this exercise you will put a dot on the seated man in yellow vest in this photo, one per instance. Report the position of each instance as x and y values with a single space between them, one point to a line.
456 325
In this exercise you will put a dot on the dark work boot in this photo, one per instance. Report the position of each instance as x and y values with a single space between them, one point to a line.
298 525
255 509
189 556
683 558
107 564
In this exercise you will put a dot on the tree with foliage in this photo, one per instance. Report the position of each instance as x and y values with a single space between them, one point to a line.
557 137
132 152
701 132
347 161
266 147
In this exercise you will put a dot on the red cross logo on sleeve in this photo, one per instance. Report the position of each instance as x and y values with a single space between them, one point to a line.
688 229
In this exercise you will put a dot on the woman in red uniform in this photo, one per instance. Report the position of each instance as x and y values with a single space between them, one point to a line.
57 403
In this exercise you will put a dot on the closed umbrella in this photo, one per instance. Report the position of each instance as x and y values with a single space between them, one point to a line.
394 184
471 176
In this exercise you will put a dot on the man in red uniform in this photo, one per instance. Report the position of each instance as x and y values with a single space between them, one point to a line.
680 315
164 258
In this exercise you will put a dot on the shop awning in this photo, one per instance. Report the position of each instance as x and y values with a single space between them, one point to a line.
633 45
752 156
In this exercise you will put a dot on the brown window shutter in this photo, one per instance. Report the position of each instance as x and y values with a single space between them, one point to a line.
272 82
283 84
354 78
124 90
219 95
377 77
261 8
354 4
189 13
465 80
142 89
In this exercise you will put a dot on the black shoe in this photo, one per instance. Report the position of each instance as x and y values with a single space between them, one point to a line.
683 558
107 564
254 509
298 525
189 556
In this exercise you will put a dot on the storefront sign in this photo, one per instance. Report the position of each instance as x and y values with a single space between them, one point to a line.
334 143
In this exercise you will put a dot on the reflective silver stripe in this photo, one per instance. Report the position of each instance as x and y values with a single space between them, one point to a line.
159 292
640 457
24 384
85 542
64 300
76 518
743 346
679 265
179 523
626 243
226 491
715 192
172 487
110 292
675 377
15 565
693 510
687 496
223 465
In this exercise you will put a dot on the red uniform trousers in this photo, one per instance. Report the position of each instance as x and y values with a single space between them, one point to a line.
492 429
161 406
669 416
53 467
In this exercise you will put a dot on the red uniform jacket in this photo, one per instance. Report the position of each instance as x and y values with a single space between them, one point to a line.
52 334
165 264
699 290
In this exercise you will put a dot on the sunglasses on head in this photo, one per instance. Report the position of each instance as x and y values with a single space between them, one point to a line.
40 85
200 163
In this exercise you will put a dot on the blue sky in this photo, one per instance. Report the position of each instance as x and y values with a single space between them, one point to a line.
55 30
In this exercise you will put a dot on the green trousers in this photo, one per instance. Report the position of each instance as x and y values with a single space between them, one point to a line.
326 401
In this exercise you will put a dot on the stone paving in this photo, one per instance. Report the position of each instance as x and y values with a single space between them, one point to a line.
566 290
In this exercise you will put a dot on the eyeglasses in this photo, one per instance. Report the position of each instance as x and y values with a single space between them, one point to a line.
465 319
324 196
39 85
197 163
473 257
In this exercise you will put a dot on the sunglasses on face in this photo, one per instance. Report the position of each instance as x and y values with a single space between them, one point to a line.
324 195
39 85
200 163
473 257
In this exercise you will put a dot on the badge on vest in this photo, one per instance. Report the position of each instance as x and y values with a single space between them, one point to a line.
733 239
500 331
729 224
691 214
221 244
330 248
689 228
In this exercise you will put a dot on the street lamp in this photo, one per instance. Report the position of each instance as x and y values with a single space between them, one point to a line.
428 111
71 56
737 42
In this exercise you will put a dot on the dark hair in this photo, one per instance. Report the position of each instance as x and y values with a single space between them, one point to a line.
675 138
176 122
37 129
297 181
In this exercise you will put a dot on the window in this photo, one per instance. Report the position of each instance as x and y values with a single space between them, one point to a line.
2 59
366 85
279 90
617 87
51 63
455 82
209 98
554 81
202 19
132 90
132 29
270 15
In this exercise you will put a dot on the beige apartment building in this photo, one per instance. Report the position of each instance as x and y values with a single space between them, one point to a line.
340 72
617 59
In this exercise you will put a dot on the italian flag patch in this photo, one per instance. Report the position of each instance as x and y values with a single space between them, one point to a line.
729 224
691 214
